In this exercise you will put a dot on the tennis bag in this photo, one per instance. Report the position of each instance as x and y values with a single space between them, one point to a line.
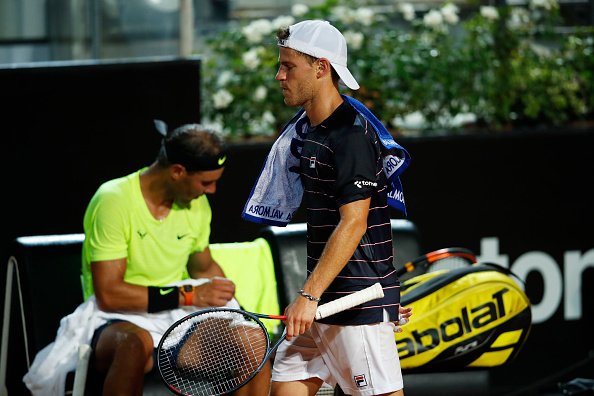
471 317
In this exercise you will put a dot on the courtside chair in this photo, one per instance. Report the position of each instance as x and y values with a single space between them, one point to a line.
42 286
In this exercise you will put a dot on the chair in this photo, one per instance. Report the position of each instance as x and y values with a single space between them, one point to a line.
42 285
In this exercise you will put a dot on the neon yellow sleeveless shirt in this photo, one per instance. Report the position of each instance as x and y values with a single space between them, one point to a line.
118 224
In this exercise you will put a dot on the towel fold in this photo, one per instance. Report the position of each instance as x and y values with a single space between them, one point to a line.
277 193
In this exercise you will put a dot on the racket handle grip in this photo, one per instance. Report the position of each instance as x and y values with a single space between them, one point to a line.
352 300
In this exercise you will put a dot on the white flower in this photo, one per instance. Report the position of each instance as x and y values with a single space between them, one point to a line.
283 21
268 118
414 120
224 78
354 39
518 19
541 50
546 4
222 99
433 19
450 13
260 93
365 16
251 58
256 30
214 125
407 10
489 12
343 14
299 9
461 119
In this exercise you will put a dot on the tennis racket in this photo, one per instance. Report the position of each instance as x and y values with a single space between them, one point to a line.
450 258
216 351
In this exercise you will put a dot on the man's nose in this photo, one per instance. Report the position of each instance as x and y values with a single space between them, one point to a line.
280 75
211 188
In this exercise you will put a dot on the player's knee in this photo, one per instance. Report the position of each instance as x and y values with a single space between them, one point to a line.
137 344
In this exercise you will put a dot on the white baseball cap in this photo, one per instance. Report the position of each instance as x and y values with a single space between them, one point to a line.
321 40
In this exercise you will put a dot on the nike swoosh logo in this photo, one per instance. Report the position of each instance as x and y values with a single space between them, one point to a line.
181 236
164 292
141 234
222 160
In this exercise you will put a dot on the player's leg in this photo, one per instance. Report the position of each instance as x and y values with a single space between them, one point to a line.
308 387
298 368
397 393
362 359
259 385
124 352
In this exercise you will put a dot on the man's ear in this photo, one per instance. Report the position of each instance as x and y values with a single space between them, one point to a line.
176 171
323 67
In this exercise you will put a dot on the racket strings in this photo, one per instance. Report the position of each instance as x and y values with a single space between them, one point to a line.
213 354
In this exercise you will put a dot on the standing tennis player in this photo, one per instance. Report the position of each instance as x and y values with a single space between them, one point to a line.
349 236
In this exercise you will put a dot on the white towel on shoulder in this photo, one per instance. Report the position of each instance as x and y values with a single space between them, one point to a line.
277 193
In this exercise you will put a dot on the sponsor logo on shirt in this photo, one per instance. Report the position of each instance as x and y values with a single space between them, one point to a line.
141 234
366 183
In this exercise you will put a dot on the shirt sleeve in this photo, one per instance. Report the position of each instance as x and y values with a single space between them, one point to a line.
105 228
203 216
356 160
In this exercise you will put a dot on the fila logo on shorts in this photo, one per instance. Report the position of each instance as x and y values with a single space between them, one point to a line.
360 380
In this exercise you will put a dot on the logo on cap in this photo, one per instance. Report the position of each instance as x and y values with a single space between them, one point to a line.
222 160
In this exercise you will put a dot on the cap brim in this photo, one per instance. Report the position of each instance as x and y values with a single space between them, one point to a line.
345 76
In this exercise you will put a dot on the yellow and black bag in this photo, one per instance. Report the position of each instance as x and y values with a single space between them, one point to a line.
476 316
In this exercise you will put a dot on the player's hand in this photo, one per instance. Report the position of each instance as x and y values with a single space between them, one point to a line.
215 293
404 313
300 315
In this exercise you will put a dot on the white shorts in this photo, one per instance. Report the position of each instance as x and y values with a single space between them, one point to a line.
363 360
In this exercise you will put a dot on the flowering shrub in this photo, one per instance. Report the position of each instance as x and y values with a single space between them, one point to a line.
498 67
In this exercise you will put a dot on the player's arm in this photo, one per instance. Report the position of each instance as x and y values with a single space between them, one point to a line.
202 265
112 292
336 254
219 290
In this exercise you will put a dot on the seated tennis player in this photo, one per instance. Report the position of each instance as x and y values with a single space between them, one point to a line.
146 255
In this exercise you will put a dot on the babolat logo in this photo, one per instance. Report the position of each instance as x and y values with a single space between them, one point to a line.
465 322
361 183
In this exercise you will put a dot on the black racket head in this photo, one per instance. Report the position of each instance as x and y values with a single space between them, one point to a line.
212 352
447 258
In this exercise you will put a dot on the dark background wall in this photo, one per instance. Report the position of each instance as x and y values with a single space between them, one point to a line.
520 199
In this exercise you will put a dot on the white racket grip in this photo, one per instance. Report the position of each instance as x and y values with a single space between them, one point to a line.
352 300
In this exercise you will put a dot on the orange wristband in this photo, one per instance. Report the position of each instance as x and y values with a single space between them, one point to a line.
188 292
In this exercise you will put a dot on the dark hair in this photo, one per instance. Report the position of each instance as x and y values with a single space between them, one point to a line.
192 146
283 33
